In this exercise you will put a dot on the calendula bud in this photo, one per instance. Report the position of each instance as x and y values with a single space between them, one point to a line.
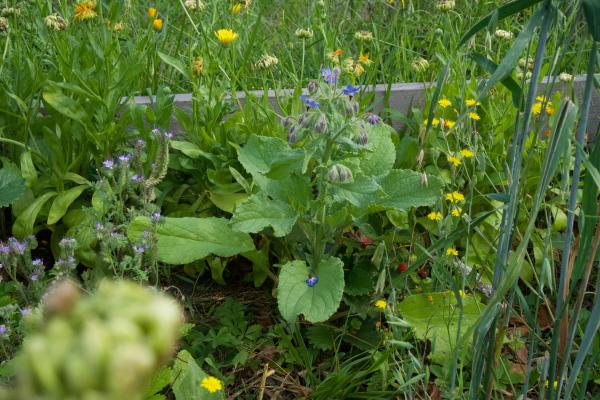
3 24
322 124
304 33
198 66
446 5
55 22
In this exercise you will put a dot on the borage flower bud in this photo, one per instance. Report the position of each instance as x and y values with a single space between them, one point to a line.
345 173
333 174
322 124
287 121
362 138
372 119
312 281
313 86
292 135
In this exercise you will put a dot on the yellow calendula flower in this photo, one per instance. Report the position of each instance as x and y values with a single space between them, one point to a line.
456 212
455 197
364 59
381 304
472 102
451 251
211 384
467 153
85 10
358 70
444 103
226 36
152 12
236 8
449 124
474 116
435 216
157 24
542 99
434 122
454 161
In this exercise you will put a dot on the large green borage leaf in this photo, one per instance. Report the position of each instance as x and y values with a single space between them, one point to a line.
259 212
435 316
188 378
183 240
404 190
270 157
12 186
316 303
380 156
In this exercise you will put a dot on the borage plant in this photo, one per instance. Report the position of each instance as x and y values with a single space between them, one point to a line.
336 168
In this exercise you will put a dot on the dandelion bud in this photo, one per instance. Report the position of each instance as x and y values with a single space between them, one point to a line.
322 124
566 78
446 5
194 5
198 66
502 34
304 33
420 65
3 24
313 86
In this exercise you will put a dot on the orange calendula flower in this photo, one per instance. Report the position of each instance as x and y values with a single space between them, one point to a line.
364 59
444 103
152 12
454 161
451 251
435 216
455 197
226 36
157 24
85 10
474 116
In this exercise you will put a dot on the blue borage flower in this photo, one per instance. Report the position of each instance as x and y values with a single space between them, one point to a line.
373 119
309 102
312 281
331 75
350 90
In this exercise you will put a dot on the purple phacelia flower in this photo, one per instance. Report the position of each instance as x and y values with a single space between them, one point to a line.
25 311
4 249
156 131
312 281
139 249
125 158
108 164
350 90
99 226
37 262
16 246
137 178
373 119
155 217
2 329
169 135
331 75
309 102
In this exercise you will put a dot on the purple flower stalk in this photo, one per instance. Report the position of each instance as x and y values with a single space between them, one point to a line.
373 119
309 102
312 281
331 75
350 90
16 246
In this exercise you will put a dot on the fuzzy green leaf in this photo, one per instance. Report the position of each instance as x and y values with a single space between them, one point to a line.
317 303
188 378
360 193
183 240
12 186
381 155
258 212
404 191
270 157
437 320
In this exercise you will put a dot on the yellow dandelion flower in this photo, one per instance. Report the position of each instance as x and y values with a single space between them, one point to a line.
474 116
455 197
537 108
211 384
152 12
364 59
236 8
449 124
454 161
444 103
381 304
157 24
541 99
472 102
467 153
434 122
85 10
451 251
435 216
549 109
456 212
226 36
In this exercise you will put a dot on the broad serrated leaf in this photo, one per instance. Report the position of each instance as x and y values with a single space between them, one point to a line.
360 193
183 240
270 157
12 186
404 190
359 281
322 337
435 316
62 202
259 212
316 303
380 156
